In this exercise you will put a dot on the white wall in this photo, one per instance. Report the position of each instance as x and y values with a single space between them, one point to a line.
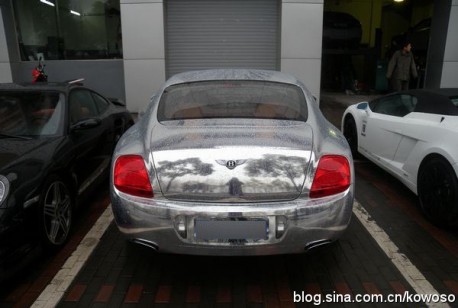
143 48
301 39
450 64
5 68
144 54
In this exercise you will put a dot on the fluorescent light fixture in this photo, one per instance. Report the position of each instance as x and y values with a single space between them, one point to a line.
47 2
398 0
75 13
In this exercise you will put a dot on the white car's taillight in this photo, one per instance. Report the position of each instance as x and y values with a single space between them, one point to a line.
131 177
332 176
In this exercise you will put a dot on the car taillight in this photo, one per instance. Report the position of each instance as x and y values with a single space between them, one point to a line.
131 177
332 176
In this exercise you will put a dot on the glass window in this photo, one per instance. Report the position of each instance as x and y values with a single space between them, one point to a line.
30 113
373 104
101 103
82 106
454 100
392 105
68 29
409 102
233 99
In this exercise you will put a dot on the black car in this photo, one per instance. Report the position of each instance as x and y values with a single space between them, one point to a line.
56 142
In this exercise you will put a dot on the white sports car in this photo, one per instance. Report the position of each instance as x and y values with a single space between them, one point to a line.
414 136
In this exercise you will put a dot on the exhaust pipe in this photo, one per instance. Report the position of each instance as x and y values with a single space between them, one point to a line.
316 244
146 243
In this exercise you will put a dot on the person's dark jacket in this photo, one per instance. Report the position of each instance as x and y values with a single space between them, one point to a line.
401 66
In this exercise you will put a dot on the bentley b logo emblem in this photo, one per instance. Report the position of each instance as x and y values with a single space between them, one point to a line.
231 164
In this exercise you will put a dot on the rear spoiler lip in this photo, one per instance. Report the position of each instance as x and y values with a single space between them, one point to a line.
117 101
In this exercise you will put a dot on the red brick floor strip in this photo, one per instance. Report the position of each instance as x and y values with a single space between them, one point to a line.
284 292
39 284
133 294
75 293
104 294
343 288
371 288
452 285
224 295
26 299
398 287
254 294
313 288
193 295
271 300
269 287
163 294
17 293
287 305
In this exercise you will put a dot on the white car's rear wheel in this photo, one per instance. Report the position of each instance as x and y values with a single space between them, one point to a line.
438 192
351 134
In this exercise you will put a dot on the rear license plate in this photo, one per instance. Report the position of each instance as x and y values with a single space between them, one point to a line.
230 229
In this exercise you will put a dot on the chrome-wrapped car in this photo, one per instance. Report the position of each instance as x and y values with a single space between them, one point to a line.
232 162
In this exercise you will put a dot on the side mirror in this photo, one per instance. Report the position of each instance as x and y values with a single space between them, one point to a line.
86 124
362 106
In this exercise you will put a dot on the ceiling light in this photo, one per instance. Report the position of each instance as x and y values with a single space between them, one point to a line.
75 13
398 0
47 2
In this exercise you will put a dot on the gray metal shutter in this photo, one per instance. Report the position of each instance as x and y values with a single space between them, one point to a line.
204 34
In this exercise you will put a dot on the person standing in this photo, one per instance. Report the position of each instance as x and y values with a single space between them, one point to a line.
401 67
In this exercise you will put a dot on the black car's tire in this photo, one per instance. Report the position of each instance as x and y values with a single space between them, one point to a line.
438 192
56 209
351 134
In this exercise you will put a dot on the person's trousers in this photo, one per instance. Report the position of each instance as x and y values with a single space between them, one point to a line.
400 85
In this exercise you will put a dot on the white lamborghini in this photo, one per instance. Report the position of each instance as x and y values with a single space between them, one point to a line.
414 136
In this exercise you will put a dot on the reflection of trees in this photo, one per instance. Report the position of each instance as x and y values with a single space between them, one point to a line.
182 167
195 187
282 185
291 167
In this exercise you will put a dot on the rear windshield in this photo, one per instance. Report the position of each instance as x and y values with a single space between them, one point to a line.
233 99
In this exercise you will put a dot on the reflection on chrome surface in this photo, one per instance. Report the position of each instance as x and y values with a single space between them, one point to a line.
263 176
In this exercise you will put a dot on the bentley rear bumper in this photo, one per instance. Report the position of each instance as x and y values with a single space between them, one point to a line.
232 229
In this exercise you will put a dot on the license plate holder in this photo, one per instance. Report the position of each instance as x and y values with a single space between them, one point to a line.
230 229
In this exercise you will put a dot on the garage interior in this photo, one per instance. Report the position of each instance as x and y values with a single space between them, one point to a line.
356 62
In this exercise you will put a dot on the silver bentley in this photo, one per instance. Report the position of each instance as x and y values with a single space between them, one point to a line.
232 162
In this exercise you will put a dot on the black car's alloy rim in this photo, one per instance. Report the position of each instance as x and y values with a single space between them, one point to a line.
57 213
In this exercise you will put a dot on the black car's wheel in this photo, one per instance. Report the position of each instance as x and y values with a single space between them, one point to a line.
351 134
438 192
56 210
